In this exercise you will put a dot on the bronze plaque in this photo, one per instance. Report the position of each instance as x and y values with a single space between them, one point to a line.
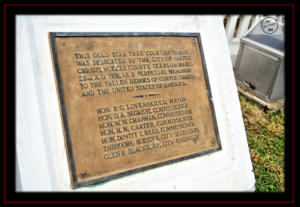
132 101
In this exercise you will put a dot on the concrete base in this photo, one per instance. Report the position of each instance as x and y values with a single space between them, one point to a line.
267 106
41 153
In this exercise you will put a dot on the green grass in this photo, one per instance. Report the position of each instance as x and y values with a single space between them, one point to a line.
265 134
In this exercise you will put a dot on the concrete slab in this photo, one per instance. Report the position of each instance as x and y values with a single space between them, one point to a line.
267 106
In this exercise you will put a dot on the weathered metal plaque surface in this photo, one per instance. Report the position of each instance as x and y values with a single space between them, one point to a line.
132 101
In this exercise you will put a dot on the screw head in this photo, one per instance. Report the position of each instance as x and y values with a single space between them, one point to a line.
83 174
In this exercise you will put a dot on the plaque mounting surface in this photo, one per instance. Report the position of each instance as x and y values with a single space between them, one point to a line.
132 101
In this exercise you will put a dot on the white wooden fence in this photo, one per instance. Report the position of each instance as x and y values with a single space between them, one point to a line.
237 25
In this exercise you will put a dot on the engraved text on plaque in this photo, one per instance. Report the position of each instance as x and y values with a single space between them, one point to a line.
132 101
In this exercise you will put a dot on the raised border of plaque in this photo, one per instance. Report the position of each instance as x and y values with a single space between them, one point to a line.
74 180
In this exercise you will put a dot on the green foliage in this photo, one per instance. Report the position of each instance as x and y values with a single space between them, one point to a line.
265 134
